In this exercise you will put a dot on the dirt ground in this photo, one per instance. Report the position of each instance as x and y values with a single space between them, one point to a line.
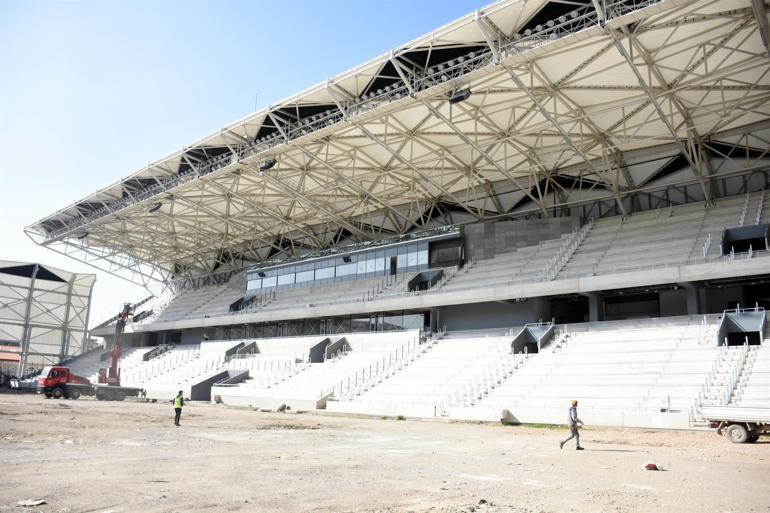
92 456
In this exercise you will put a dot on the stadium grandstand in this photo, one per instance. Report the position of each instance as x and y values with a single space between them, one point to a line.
542 200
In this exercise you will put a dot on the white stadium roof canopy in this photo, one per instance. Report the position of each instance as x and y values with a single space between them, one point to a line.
520 107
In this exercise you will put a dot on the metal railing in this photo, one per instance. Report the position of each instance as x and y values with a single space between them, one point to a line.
565 252
366 376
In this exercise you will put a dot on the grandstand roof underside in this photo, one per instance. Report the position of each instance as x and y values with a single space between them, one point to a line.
567 104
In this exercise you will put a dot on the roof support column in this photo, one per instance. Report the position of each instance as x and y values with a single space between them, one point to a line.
27 332
65 330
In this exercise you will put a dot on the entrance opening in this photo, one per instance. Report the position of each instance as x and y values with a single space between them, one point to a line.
744 238
393 265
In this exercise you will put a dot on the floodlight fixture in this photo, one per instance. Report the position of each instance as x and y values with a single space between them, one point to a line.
82 236
268 164
459 96
155 207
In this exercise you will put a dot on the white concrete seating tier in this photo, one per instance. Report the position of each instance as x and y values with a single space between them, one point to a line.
208 361
455 370
277 359
642 369
312 382
329 293
755 390
519 265
654 238
88 365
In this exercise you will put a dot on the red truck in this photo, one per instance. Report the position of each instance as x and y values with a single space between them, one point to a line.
59 382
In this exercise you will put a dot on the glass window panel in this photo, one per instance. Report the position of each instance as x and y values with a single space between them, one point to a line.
411 260
379 264
325 273
361 267
422 257
346 269
286 279
269 282
370 265
304 276
255 284
401 263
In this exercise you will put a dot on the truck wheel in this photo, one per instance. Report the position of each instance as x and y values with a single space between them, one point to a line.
120 396
99 396
75 394
737 434
57 393
753 437
48 395
108 395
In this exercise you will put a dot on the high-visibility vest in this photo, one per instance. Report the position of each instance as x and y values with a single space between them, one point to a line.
178 401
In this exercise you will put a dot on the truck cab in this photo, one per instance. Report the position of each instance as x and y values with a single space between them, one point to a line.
58 382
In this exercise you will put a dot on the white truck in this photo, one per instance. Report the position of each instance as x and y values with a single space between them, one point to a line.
739 424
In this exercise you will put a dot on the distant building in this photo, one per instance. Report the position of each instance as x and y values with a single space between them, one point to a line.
43 315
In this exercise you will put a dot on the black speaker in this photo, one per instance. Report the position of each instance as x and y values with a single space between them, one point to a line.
346 259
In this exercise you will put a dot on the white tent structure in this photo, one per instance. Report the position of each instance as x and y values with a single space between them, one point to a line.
43 312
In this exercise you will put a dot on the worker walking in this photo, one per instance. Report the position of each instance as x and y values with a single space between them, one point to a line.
573 421
178 404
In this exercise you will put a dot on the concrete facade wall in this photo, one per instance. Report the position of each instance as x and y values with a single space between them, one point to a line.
492 314
193 336
485 240
718 300
673 302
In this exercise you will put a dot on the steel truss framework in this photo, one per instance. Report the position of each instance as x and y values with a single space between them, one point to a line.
44 311
570 102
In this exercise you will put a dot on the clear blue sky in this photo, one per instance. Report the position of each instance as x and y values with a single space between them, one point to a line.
92 90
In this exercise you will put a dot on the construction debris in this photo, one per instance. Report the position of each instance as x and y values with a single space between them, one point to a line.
29 503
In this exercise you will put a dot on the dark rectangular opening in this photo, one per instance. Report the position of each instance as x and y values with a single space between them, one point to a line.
738 339
744 239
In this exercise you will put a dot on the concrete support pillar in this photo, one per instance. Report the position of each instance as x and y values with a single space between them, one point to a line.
595 307
693 299
542 308
435 320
